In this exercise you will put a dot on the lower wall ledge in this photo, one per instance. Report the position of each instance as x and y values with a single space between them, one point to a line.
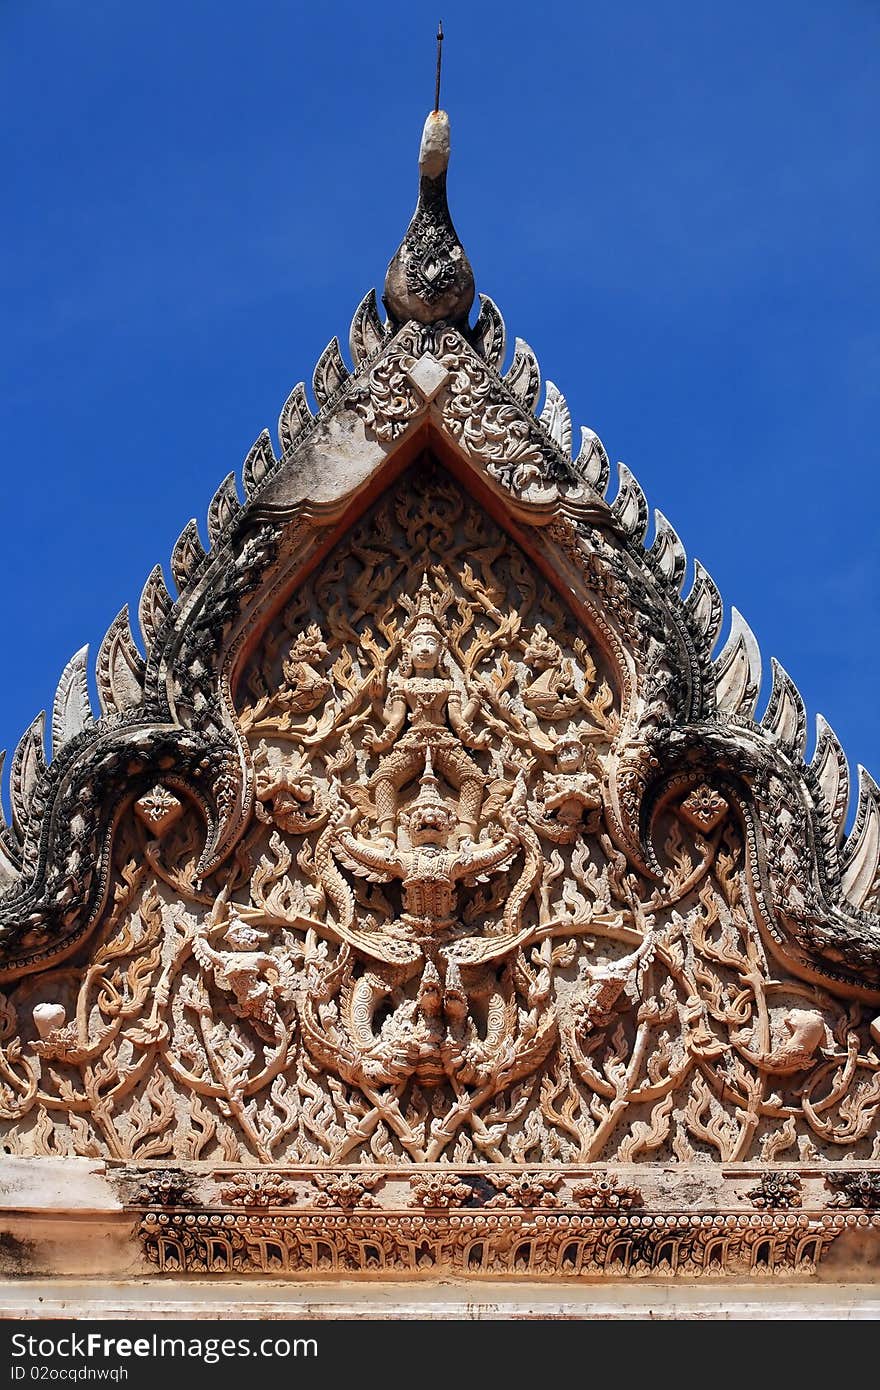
31 1299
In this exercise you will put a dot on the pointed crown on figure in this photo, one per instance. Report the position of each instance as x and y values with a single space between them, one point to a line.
429 810
426 610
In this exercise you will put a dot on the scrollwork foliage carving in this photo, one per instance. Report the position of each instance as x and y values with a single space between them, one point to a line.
429 946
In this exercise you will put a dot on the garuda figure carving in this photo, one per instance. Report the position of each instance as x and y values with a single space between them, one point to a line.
454 1009
429 828
428 868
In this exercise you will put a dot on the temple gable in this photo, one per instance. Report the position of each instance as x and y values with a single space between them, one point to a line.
424 895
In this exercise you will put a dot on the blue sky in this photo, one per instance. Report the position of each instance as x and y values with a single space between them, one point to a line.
675 204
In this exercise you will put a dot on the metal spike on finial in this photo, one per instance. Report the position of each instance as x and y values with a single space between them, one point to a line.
439 64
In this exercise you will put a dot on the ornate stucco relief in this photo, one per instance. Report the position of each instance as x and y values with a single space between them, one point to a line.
429 944
428 836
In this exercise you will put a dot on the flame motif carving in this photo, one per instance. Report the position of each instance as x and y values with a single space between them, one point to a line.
426 896
430 946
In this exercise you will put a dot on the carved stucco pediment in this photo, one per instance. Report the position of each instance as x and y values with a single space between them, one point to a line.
428 831
420 389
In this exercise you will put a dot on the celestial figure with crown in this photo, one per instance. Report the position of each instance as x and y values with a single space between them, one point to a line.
429 697
432 863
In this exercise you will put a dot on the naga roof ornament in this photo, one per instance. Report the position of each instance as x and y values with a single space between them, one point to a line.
426 856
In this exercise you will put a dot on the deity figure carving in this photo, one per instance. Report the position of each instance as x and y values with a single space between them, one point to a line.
571 793
427 858
432 943
427 696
